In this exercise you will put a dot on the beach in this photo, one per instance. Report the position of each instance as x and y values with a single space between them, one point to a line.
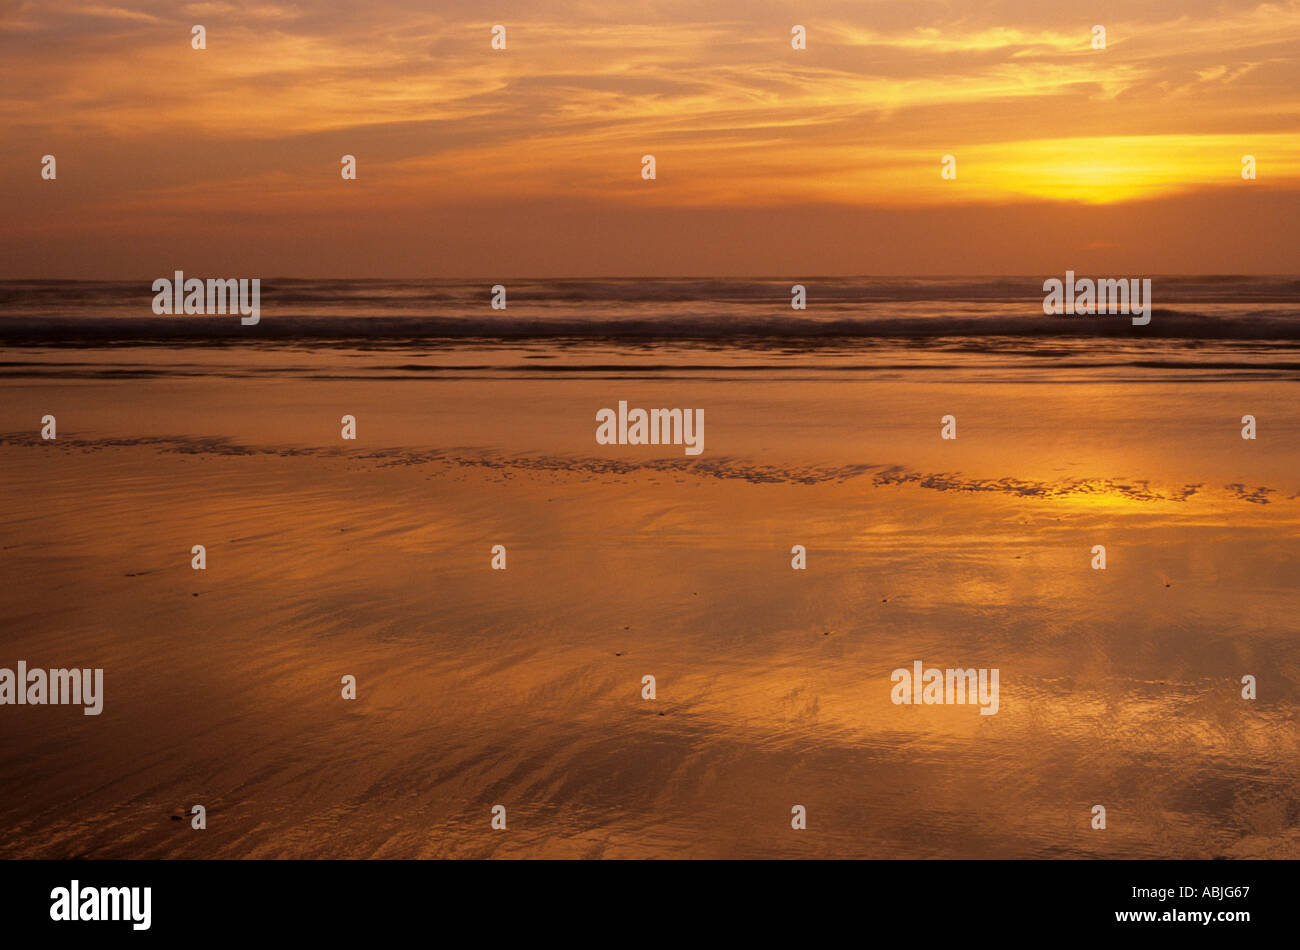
522 687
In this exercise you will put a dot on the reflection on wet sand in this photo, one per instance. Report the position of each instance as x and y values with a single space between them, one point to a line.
523 687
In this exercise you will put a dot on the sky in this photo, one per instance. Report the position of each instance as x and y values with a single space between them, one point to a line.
527 161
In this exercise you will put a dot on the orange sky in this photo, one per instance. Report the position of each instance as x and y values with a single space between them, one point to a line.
526 162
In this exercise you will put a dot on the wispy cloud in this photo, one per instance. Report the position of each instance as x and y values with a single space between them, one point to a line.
732 113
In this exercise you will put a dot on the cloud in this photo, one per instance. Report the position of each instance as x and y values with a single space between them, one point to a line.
733 115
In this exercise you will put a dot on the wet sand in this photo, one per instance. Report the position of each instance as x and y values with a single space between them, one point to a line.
479 687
